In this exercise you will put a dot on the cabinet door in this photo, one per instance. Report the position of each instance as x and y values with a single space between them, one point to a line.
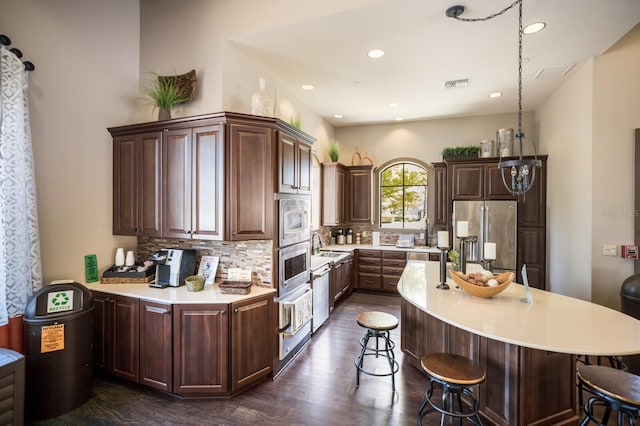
253 337
333 190
441 199
125 324
494 188
101 331
250 202
305 168
532 252
359 194
176 184
335 284
287 167
156 344
467 181
201 349
136 184
207 191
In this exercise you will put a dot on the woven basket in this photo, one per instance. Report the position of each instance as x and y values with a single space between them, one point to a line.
125 280
235 287
195 282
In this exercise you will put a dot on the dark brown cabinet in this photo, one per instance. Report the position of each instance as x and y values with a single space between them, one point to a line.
360 194
393 263
478 180
201 349
249 179
333 193
370 270
136 184
192 189
156 344
439 195
294 164
116 339
252 343
340 280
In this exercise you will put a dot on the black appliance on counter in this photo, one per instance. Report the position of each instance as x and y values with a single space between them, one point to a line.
173 266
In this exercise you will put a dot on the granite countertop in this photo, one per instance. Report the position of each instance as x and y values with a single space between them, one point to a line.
180 295
553 322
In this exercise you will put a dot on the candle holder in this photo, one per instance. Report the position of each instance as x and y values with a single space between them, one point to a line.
443 269
463 254
487 264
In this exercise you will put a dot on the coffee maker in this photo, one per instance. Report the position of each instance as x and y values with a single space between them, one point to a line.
173 266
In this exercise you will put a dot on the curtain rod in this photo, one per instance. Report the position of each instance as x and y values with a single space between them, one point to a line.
6 41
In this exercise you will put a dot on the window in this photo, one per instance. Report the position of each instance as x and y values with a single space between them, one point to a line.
403 196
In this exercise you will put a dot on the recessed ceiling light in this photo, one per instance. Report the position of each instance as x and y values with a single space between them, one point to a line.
307 87
393 105
375 53
399 118
338 115
534 28
495 94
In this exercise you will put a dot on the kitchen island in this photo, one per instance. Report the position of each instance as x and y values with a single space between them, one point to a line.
189 344
527 350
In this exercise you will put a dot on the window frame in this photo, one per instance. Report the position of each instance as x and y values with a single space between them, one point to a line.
378 190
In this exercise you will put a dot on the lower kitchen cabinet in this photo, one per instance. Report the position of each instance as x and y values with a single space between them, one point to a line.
156 343
369 270
191 350
201 349
393 263
340 280
115 338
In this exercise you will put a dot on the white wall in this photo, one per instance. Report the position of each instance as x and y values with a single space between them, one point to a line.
86 55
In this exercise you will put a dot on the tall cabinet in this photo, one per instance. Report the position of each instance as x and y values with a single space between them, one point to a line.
481 179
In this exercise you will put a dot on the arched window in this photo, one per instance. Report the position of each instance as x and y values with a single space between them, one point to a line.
403 195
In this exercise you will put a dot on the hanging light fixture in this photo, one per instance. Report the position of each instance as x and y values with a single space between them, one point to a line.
522 171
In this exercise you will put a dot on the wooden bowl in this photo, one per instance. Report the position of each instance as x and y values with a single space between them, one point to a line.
478 291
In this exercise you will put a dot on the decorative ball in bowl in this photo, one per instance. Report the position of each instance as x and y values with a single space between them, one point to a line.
482 284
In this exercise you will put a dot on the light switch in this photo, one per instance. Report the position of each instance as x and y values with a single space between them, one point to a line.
609 250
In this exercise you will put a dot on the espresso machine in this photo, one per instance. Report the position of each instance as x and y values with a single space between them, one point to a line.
173 266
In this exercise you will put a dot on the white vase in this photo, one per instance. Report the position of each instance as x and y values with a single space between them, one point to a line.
130 260
119 261
261 102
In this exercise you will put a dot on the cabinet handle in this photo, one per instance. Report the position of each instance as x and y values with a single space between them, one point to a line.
236 310
157 310
223 312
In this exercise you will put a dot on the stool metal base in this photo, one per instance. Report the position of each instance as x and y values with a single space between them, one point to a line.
624 411
377 351
451 396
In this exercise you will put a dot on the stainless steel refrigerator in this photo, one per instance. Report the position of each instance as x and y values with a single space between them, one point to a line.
489 221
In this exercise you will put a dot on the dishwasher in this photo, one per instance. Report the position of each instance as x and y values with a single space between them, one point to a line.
320 286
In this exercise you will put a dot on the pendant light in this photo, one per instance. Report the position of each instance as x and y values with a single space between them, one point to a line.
522 171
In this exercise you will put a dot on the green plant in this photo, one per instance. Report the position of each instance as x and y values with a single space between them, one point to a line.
295 122
165 92
461 150
334 150
454 257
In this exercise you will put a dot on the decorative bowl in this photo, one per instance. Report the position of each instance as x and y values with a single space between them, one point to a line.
195 282
480 291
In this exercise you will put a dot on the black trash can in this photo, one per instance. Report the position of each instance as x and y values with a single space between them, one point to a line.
630 305
58 324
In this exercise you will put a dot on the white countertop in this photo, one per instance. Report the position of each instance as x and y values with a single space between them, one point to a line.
180 295
552 322
351 247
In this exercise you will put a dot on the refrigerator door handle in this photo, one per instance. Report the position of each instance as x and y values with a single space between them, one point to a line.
483 229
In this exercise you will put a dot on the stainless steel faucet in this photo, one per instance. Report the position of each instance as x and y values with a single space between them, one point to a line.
315 248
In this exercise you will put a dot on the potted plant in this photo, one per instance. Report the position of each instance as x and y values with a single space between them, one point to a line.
165 93
460 152
454 258
334 151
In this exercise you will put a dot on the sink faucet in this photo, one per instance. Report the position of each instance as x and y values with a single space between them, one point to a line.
316 248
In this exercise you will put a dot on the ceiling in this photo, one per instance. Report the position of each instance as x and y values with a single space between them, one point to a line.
424 48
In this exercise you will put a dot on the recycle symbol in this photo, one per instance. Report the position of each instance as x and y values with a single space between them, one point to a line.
60 299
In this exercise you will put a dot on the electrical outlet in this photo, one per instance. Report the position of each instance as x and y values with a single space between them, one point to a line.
421 235
609 250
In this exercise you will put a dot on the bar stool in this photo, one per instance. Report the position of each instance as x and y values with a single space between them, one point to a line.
614 390
378 325
455 374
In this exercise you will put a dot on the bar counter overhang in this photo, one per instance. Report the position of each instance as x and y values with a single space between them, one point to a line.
527 350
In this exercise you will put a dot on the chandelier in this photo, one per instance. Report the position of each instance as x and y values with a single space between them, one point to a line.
522 171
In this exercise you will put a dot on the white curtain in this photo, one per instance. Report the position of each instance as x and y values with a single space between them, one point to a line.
20 268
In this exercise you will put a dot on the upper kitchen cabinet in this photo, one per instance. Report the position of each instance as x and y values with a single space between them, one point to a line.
294 163
250 180
438 193
192 184
359 194
333 193
136 184
477 179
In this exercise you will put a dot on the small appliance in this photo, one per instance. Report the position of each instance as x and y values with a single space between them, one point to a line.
173 266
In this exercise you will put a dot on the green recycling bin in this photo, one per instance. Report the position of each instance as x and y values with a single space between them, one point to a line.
58 327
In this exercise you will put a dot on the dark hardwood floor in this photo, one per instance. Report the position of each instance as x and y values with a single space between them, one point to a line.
317 388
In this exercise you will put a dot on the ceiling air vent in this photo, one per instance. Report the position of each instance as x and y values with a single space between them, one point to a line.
456 84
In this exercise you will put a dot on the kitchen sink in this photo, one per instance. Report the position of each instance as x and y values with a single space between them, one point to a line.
329 254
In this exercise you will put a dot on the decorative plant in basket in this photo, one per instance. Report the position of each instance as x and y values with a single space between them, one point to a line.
334 151
169 91
460 152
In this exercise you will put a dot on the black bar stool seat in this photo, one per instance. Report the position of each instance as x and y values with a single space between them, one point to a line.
613 389
378 325
455 374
